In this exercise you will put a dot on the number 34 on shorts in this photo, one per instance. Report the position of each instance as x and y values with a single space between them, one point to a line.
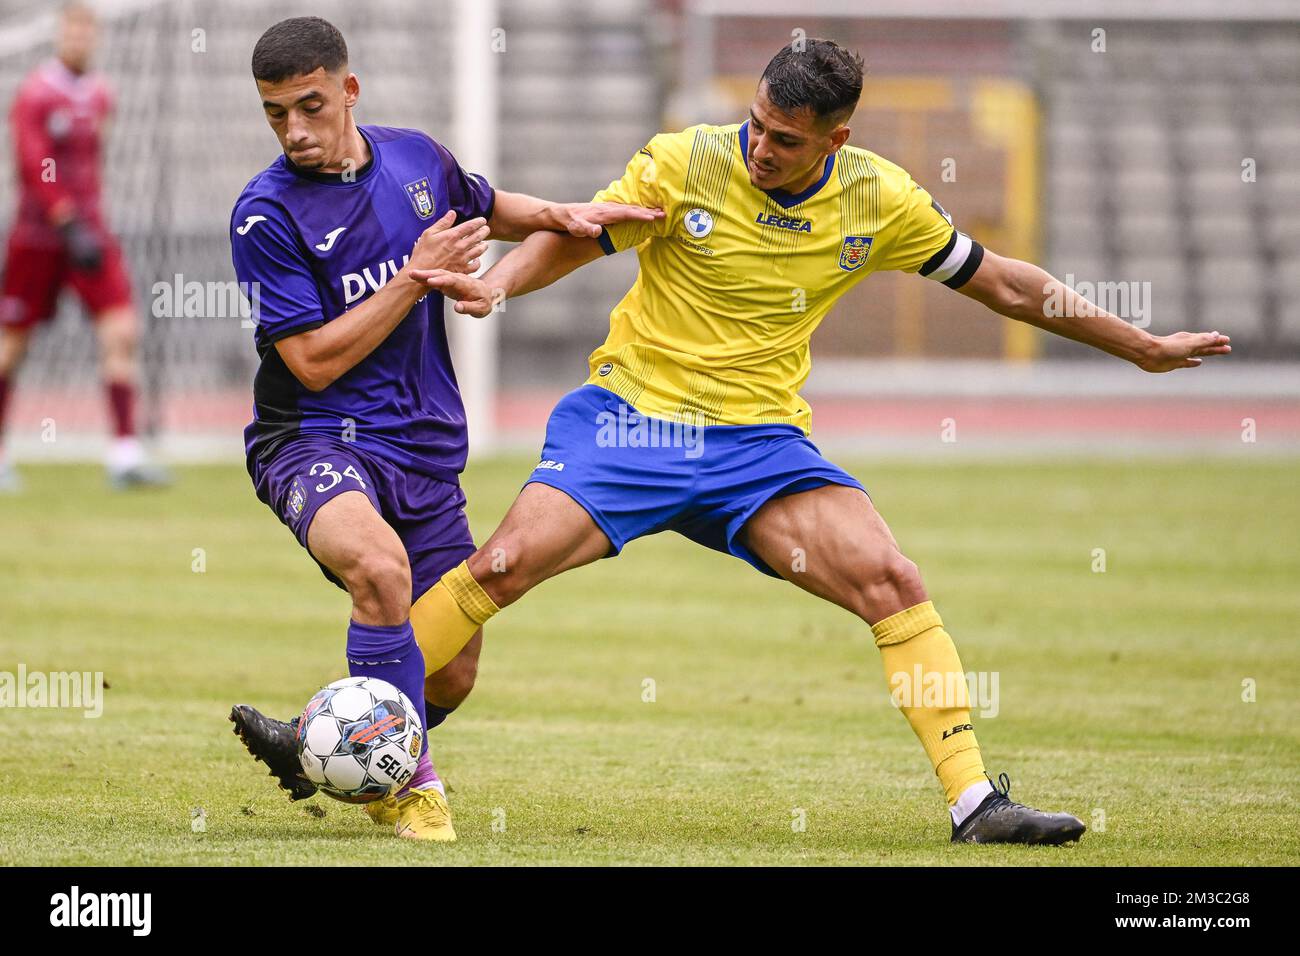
323 479
327 473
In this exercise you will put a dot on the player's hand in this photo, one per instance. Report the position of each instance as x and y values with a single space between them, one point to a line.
473 296
585 219
84 246
451 248
1182 350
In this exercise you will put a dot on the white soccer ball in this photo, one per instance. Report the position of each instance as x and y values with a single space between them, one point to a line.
359 739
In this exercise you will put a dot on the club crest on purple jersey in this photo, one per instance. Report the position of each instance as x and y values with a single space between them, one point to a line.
421 197
297 498
403 398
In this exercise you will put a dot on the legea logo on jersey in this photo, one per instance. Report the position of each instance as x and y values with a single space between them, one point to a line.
699 223
371 278
421 197
784 222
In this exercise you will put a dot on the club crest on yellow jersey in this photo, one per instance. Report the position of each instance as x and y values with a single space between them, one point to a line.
854 252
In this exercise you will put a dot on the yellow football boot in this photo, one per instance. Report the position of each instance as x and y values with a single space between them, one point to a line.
424 815
383 811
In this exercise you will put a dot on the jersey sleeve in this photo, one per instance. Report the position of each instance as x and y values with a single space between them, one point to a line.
643 184
273 273
469 194
34 147
928 243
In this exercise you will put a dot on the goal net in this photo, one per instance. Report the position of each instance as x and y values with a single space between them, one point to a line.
186 136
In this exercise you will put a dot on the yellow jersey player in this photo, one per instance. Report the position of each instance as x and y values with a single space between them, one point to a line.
692 421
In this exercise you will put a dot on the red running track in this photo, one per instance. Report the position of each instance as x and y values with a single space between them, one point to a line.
521 416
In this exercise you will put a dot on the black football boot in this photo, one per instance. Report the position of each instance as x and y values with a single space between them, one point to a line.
999 819
274 743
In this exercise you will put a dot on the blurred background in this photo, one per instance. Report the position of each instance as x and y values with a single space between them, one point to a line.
1161 150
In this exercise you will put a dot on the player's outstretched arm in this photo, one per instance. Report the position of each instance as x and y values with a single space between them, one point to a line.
541 259
516 216
318 357
1021 290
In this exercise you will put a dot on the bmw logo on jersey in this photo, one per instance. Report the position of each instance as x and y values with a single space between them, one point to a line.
699 223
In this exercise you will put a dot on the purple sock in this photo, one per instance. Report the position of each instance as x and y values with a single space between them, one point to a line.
425 778
390 653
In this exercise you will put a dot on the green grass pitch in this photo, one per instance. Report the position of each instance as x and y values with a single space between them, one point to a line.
1121 692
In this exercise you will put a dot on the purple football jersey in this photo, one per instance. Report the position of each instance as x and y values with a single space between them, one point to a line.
318 245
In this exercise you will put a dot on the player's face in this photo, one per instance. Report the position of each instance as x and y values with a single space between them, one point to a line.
77 37
787 151
309 114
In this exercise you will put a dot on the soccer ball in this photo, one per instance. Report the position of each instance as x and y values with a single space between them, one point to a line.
359 739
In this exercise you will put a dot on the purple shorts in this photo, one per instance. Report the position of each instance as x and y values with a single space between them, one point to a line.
428 514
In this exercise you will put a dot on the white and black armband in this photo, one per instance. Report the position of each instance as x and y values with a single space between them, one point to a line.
956 262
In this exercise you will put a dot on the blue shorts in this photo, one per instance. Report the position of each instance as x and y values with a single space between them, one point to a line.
427 513
636 475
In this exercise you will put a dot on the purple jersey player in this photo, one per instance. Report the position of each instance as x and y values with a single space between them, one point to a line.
358 435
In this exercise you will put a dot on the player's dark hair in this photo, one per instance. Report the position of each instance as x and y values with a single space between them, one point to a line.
296 47
819 75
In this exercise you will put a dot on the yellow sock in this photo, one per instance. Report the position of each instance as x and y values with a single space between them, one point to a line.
446 616
927 681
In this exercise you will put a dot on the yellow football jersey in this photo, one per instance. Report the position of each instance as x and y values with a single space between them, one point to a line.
734 279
